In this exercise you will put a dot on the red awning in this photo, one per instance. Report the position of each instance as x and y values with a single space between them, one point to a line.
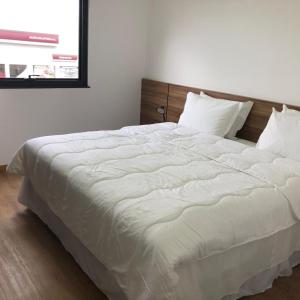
65 57
31 37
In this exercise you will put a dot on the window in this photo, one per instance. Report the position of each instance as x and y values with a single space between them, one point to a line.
43 44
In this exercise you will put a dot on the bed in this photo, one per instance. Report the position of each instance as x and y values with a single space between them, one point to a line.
161 211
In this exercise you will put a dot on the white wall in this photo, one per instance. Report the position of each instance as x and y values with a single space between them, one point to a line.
249 47
118 40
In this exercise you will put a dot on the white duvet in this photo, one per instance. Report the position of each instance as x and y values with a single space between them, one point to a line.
171 213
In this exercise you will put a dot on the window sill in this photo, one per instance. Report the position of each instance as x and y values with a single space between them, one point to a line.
43 84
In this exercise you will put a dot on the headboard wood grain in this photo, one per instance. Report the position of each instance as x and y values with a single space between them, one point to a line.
156 94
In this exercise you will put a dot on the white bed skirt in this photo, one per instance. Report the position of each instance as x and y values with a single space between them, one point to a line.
102 277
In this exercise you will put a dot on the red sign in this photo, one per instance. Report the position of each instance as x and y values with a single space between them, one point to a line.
31 37
65 57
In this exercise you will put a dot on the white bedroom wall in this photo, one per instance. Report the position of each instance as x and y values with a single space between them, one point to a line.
248 47
117 61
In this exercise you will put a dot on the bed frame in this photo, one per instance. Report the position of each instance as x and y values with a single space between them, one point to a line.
165 102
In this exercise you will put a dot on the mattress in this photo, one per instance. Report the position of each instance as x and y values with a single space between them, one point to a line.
169 212
106 283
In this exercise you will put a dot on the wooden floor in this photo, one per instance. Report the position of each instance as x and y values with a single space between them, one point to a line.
34 265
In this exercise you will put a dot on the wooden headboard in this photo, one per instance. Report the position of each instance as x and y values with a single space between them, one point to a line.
171 97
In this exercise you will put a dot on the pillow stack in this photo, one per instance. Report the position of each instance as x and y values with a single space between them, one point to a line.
213 116
282 134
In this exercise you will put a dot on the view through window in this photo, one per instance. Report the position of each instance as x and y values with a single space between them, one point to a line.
40 39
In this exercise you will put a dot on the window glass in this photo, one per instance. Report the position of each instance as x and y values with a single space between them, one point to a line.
41 39
2 70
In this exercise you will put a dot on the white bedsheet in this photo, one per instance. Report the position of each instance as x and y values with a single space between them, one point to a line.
150 201
245 142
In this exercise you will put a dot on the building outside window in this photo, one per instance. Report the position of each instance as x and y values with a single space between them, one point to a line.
42 40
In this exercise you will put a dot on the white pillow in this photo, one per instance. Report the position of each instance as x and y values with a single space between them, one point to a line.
285 109
244 110
281 135
210 116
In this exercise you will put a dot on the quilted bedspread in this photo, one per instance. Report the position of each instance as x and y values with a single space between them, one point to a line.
154 202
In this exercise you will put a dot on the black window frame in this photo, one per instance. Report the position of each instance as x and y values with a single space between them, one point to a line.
81 82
